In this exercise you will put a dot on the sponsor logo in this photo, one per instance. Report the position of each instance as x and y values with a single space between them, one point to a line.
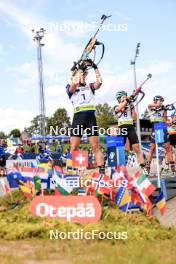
80 209
111 155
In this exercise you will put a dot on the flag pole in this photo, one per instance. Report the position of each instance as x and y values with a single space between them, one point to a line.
157 166
127 208
133 63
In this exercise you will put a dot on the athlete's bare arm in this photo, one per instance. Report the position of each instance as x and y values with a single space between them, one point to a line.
133 114
75 81
98 80
165 115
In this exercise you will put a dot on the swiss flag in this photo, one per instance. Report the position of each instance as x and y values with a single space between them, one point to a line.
80 158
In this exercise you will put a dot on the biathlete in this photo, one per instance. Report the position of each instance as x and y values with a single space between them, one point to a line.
126 115
82 97
158 113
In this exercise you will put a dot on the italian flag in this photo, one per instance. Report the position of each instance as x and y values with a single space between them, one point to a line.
144 185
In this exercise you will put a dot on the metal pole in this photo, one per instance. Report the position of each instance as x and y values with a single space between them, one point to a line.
133 62
157 165
38 37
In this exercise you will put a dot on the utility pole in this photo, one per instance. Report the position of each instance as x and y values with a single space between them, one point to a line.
38 35
133 63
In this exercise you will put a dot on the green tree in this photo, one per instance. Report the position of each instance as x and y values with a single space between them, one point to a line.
15 133
146 114
60 119
105 115
2 135
34 129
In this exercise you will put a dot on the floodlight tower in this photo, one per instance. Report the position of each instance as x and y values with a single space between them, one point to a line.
38 36
133 63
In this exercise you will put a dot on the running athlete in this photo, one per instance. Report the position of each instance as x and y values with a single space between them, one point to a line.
159 114
171 128
126 115
82 96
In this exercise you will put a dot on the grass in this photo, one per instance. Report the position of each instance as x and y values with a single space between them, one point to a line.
27 237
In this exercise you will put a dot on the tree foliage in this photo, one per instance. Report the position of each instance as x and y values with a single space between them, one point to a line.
59 120
34 129
105 115
15 133
2 135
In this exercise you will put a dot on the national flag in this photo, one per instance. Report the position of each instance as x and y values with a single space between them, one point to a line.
12 178
136 198
24 173
45 166
80 158
27 173
58 169
81 192
37 184
123 198
46 181
143 185
45 176
133 178
61 184
71 170
141 199
148 206
27 188
69 163
119 194
118 176
72 180
57 193
160 202
101 184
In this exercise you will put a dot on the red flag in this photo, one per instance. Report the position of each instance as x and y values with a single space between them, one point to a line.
101 184
58 169
143 201
80 158
56 192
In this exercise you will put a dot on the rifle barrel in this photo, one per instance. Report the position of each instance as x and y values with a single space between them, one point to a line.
148 77
104 17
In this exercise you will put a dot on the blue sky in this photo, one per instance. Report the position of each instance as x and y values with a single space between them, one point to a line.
150 22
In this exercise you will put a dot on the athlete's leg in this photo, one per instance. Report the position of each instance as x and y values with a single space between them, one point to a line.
134 142
94 142
150 156
74 141
151 152
168 156
127 145
168 152
174 154
136 149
